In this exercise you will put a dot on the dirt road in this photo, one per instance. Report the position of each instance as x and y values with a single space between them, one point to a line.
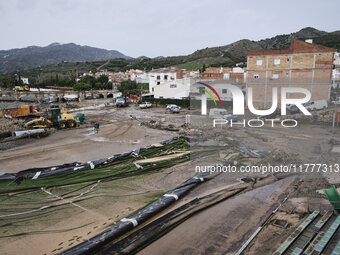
118 133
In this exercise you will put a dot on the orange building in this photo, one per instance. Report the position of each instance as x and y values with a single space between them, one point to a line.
215 73
304 65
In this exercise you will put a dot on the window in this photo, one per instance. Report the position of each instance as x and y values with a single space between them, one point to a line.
259 62
158 77
275 76
165 77
153 89
172 78
173 86
224 91
287 74
277 61
158 82
287 59
256 76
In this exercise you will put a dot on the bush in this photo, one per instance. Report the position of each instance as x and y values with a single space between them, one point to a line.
128 87
81 86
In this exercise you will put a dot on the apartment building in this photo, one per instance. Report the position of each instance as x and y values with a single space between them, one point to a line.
336 71
137 75
304 65
236 74
178 89
216 73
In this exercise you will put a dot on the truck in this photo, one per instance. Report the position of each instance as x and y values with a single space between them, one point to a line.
21 111
122 102
316 105
53 117
21 88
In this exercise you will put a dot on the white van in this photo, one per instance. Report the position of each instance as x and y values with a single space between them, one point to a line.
316 105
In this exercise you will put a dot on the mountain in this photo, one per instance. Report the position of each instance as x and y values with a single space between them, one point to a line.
227 55
34 56
237 51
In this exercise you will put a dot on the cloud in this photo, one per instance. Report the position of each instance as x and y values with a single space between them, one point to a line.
156 27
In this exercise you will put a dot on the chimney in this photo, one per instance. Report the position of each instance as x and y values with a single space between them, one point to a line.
309 41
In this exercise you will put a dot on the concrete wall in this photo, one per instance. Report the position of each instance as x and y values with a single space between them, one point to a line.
174 89
158 78
312 71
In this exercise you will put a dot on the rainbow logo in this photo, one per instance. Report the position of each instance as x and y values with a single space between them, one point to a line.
210 94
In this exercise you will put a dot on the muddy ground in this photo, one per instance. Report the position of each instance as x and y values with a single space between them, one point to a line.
118 133
222 228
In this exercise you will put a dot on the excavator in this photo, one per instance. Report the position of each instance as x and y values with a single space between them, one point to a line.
53 117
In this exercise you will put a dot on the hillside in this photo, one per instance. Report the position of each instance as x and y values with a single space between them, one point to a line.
227 55
237 51
33 56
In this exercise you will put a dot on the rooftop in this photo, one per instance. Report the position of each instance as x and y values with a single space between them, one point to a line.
296 46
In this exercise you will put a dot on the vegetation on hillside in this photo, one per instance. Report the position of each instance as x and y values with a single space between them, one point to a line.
65 73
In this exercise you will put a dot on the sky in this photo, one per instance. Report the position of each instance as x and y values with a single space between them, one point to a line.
157 27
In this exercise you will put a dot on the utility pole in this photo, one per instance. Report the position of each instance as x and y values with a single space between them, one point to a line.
334 117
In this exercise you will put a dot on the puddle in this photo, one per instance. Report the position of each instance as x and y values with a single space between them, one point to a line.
90 132
265 192
99 139
336 149
98 112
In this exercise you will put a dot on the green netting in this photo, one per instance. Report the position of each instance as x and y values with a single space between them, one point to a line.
333 197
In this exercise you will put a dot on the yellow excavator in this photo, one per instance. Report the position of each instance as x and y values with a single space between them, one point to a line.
53 117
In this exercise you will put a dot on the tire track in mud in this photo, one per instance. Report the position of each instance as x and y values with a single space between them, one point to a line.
68 145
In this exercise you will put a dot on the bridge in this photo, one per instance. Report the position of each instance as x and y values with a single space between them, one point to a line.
60 94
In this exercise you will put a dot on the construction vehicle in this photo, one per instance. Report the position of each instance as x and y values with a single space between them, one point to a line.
21 88
53 117
22 111
122 101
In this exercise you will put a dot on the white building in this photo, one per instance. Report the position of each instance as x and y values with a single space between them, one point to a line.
336 71
24 80
179 88
220 87
337 59
163 75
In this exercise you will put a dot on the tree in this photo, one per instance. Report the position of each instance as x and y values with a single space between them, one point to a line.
81 86
99 85
89 80
93 70
109 85
103 79
7 81
203 68
128 88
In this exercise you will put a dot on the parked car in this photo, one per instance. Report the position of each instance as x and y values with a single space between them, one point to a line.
145 105
175 109
222 114
293 109
316 105
121 102
273 115
168 106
